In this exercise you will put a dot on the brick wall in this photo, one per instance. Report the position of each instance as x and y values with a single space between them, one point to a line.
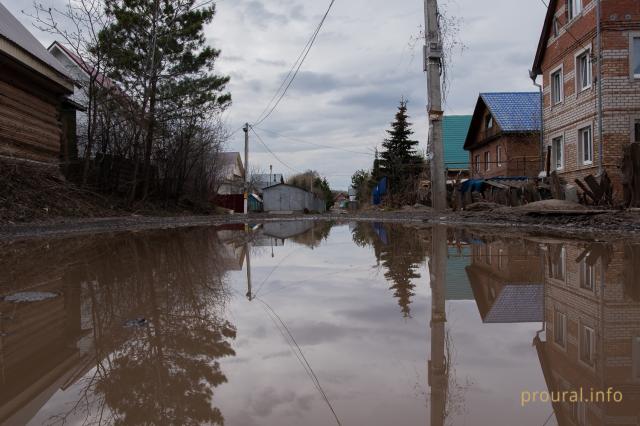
621 92
520 157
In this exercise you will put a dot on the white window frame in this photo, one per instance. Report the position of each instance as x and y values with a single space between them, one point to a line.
499 155
554 152
592 346
574 9
635 358
580 87
563 316
588 277
588 130
487 161
632 57
477 165
489 122
563 265
558 71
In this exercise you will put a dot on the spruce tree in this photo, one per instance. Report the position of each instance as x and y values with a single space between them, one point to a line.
399 159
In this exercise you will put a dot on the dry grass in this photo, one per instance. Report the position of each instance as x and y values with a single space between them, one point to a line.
32 192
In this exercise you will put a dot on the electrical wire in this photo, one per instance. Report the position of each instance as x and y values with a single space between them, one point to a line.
290 78
369 154
582 45
272 153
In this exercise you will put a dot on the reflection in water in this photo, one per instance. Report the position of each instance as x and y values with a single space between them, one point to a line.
400 252
136 329
155 328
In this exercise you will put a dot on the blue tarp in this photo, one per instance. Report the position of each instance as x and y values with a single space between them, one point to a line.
379 191
477 185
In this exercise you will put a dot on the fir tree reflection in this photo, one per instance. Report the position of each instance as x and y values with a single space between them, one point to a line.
400 252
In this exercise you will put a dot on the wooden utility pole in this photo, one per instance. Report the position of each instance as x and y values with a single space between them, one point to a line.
438 374
433 66
246 168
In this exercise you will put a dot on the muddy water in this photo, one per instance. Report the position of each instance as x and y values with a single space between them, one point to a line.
303 323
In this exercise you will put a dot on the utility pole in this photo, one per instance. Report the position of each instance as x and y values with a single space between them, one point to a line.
433 67
246 168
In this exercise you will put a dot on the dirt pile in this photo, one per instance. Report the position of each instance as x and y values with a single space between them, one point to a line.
551 205
32 192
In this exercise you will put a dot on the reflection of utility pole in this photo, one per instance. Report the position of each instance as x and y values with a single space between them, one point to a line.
248 257
438 374
433 67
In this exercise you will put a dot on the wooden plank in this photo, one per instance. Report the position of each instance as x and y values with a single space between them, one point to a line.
595 187
14 107
586 190
23 97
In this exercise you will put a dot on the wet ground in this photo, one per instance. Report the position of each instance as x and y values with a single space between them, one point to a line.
319 323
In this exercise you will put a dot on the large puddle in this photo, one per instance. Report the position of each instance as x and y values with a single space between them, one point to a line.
302 323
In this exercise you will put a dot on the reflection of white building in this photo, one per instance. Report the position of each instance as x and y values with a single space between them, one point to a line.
284 230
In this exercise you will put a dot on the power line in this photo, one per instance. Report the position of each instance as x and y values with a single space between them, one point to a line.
290 78
317 144
272 153
567 30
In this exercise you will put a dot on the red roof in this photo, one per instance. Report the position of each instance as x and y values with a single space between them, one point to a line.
101 79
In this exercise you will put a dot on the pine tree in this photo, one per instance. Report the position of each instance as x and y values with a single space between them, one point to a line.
158 51
399 160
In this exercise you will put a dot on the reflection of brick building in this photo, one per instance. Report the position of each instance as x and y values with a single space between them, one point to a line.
592 336
506 280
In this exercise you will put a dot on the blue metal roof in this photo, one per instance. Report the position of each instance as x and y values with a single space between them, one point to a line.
514 111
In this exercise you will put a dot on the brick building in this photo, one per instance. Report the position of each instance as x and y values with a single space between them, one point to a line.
566 59
504 136
507 281
592 321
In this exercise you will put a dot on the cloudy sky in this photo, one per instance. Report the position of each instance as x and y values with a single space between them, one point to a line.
363 62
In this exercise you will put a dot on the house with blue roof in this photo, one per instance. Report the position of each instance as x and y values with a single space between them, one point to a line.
504 135
454 134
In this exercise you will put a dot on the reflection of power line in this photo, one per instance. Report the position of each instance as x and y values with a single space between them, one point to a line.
272 271
291 341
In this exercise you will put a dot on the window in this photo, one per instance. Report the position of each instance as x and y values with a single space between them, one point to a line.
560 329
501 259
557 90
587 276
635 56
558 266
584 70
556 27
588 345
635 356
574 8
557 152
499 155
487 161
489 122
585 138
477 164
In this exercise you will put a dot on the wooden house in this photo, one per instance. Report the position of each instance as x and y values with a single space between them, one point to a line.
36 118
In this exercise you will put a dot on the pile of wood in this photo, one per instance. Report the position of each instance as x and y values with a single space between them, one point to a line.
596 193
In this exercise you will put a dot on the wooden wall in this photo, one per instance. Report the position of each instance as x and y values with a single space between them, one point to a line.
30 126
